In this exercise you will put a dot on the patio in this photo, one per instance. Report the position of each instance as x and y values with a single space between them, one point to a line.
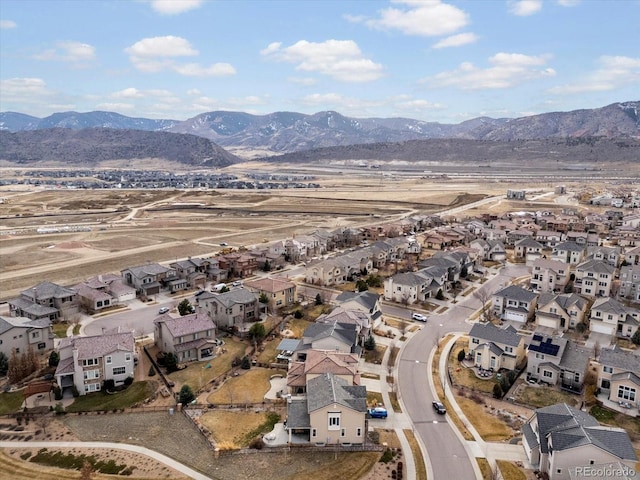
627 408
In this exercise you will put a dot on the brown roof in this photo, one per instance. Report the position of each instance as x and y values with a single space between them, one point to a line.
271 285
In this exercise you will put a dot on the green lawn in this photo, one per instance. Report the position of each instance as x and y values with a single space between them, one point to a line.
136 392
60 329
10 402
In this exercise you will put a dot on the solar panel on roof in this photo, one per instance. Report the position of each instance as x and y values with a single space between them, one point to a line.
537 337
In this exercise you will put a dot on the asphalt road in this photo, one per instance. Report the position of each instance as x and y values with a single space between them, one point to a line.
446 452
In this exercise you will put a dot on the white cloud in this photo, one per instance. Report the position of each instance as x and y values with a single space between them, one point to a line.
196 70
114 107
524 8
304 81
568 3
507 70
340 59
156 54
31 91
613 72
422 18
128 93
69 51
174 7
457 40
7 24
193 92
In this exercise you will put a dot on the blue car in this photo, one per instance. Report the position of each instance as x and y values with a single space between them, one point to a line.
378 412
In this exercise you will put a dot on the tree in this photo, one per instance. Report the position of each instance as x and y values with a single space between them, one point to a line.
171 362
43 421
319 300
245 363
264 298
108 385
483 296
374 281
497 391
87 471
4 364
15 371
439 295
298 314
54 359
464 272
184 308
636 337
461 355
186 395
267 266
370 343
257 332
361 286
224 289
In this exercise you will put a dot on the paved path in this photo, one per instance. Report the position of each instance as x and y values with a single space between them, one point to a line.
191 473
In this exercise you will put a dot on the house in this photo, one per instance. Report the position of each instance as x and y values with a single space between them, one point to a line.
560 312
239 265
610 255
619 375
20 334
368 302
152 278
192 271
632 256
559 438
497 252
494 348
333 412
555 360
528 247
630 283
357 320
516 194
46 300
549 275
548 238
232 309
279 292
569 252
594 278
343 365
86 362
334 337
514 303
103 292
610 316
189 338
408 288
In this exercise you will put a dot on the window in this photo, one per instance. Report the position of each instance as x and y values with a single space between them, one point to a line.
547 374
35 334
91 374
358 432
108 360
314 432
475 341
508 349
627 393
89 362
540 356
606 369
92 387
42 346
343 432
119 370
334 420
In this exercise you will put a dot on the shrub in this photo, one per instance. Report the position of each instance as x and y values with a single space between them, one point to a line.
257 443
387 456
186 395
370 343
57 393
171 362
298 314
319 299
75 392
461 355
245 364
636 337
108 385
59 408
497 391
54 359
439 295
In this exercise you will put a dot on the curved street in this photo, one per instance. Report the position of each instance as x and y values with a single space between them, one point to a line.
447 454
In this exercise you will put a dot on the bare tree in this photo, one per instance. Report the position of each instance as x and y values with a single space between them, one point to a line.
485 310
43 421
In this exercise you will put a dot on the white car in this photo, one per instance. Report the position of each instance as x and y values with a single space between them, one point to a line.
163 310
419 317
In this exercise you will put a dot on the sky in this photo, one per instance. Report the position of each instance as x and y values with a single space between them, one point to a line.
445 61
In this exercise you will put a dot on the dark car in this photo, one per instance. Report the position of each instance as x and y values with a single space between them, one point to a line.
439 407
378 412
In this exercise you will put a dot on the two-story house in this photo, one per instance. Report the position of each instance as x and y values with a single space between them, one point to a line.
528 249
560 312
569 252
514 303
607 314
189 338
619 376
367 302
333 412
594 278
152 278
232 309
494 348
409 288
316 363
280 293
549 275
21 333
46 300
557 361
191 270
630 283
559 438
86 362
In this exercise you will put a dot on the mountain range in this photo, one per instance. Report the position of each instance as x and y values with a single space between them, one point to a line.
285 132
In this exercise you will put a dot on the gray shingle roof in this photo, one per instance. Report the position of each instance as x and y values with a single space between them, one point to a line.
488 331
575 357
100 345
232 297
327 389
7 323
367 299
298 415
614 357
516 293
187 325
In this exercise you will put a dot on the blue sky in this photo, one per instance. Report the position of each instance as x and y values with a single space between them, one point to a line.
445 61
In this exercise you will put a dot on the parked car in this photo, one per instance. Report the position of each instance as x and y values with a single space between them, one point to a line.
378 412
163 310
439 407
237 283
223 244
419 317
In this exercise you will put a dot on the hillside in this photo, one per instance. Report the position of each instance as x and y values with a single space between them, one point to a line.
93 147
